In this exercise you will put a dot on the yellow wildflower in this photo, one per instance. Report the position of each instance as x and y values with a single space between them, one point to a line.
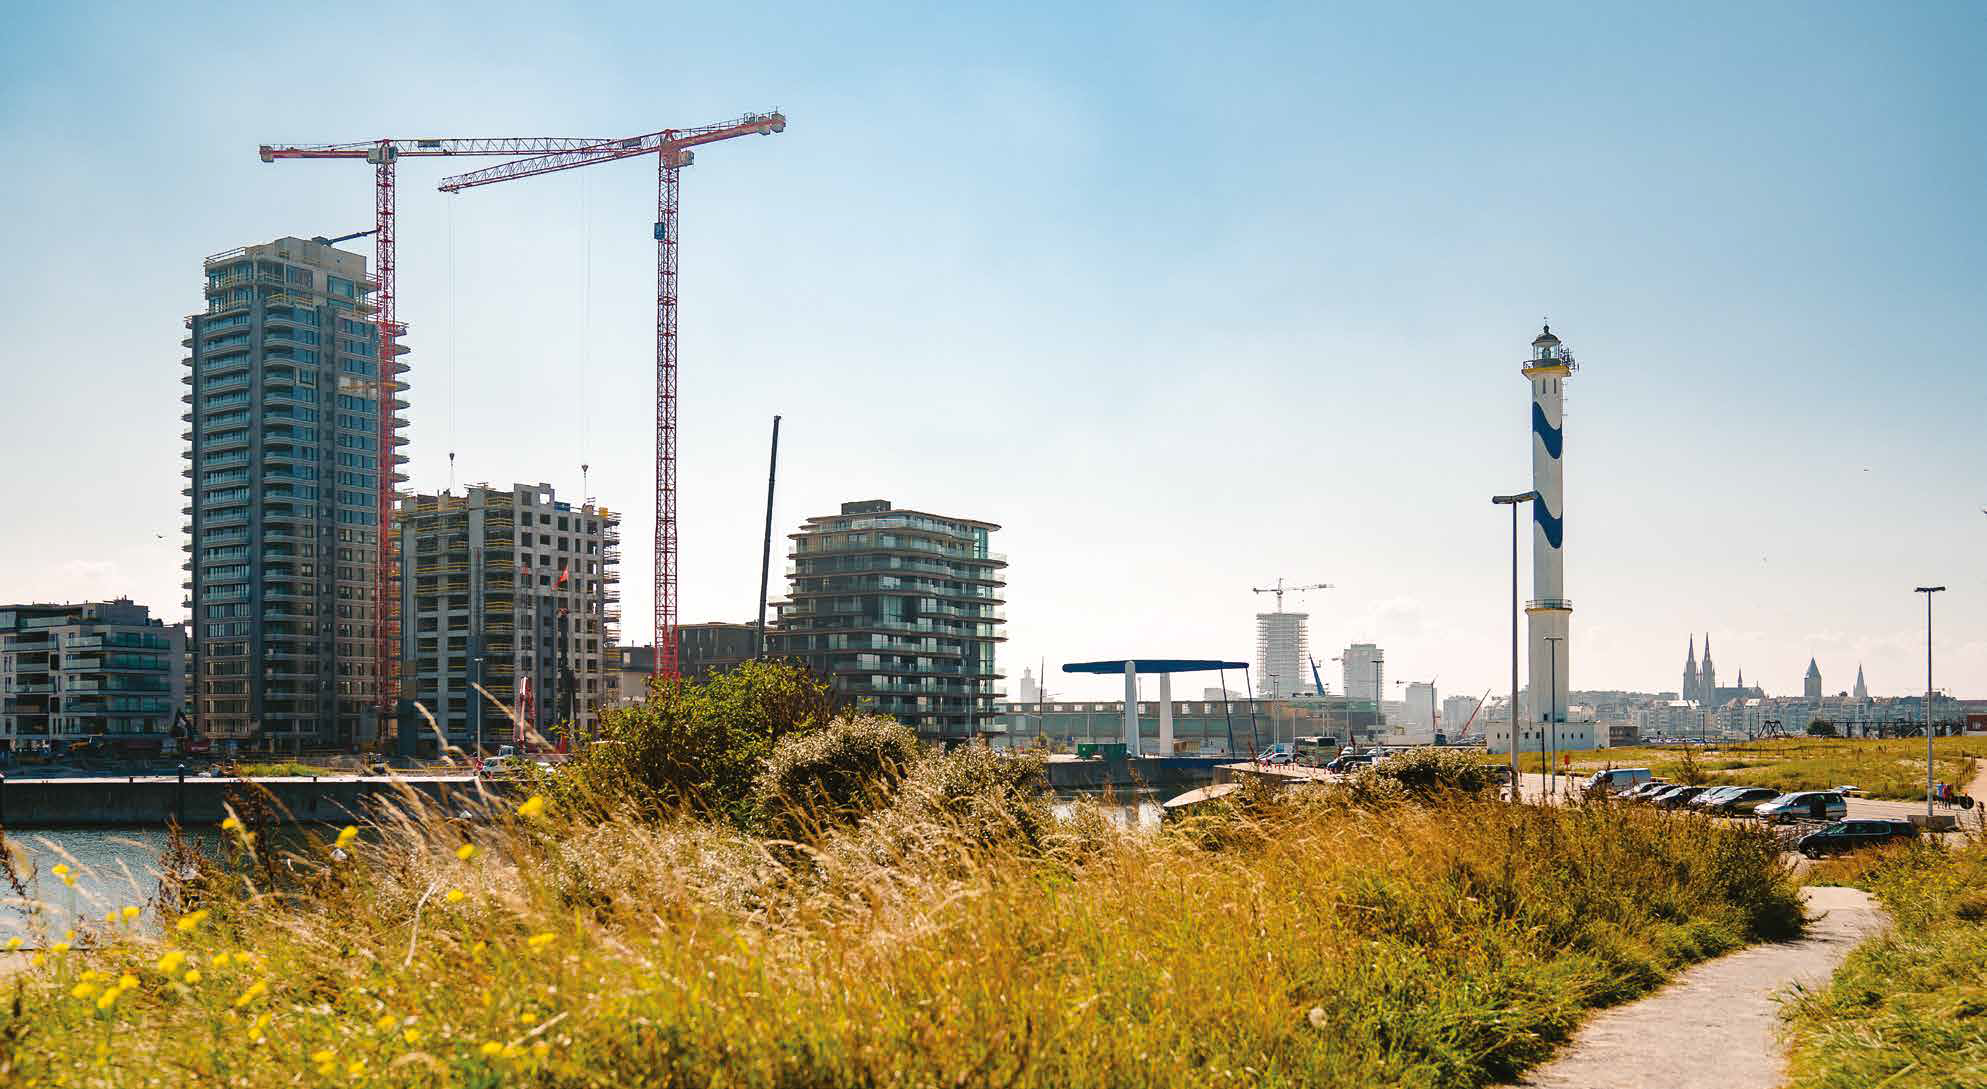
255 990
109 997
110 916
256 1026
474 950
539 940
322 1057
527 1017
355 1068
132 911
220 960
232 824
541 1049
91 975
386 1022
169 964
69 879
14 943
59 948
83 990
412 1035
346 835
455 896
191 919
491 1049
192 975
59 869
533 806
466 852
127 981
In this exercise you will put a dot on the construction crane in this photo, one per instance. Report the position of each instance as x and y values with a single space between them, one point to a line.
672 149
383 154
1280 589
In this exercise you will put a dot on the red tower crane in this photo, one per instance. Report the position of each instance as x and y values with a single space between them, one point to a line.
672 149
382 154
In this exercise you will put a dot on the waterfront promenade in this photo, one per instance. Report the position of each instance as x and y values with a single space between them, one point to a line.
153 800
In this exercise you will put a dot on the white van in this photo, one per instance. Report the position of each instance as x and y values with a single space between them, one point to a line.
1616 780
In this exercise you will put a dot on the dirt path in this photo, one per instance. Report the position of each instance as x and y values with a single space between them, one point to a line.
1716 1026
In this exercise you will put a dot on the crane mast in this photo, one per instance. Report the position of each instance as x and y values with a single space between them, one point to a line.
672 149
382 155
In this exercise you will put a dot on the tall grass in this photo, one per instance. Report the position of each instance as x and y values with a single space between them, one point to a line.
1910 1006
930 943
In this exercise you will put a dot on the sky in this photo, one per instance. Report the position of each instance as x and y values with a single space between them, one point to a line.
1186 298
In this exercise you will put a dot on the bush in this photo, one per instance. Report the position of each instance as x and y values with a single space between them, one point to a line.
1425 773
833 775
698 746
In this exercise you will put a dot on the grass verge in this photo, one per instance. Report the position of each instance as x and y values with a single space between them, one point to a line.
1908 1007
1297 944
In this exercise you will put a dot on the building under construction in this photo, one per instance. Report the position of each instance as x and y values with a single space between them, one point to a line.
516 591
290 456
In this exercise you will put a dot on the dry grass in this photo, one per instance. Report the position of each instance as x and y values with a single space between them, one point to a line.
1307 944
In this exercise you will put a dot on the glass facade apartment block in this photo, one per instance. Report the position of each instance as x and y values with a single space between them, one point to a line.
100 673
515 591
901 610
284 475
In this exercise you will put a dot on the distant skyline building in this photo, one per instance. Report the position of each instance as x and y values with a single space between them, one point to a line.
1700 683
900 609
1862 691
517 591
285 478
1363 672
97 672
1418 711
1460 713
1550 612
1811 683
1283 650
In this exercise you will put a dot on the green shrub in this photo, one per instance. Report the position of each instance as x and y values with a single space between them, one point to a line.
698 746
831 776
1429 772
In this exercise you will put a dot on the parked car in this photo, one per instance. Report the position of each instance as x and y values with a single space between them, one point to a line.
1812 805
1643 792
1851 835
1675 799
1712 796
1617 780
1742 801
1657 797
1278 753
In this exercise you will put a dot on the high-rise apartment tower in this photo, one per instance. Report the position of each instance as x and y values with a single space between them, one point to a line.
285 476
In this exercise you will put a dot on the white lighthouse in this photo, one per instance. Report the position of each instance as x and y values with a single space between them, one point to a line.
1549 612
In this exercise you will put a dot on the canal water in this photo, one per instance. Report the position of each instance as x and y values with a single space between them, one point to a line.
113 868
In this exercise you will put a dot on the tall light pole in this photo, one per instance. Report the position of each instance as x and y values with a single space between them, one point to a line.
1552 703
1512 501
1928 591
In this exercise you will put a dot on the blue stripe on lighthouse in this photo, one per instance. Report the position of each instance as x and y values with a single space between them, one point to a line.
1552 436
1555 528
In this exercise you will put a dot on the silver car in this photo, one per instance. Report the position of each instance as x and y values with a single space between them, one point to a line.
1804 805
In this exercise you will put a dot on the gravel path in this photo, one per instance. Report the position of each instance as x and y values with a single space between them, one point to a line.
1717 1025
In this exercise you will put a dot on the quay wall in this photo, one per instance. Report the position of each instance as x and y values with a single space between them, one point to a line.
107 802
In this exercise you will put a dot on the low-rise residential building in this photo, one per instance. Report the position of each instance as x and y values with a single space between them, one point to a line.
515 591
99 673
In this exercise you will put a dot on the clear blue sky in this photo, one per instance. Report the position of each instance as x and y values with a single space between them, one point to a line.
1185 298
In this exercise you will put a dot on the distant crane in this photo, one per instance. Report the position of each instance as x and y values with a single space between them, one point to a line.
1280 589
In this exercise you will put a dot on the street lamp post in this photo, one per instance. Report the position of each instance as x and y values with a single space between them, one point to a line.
1512 501
1552 703
1928 591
